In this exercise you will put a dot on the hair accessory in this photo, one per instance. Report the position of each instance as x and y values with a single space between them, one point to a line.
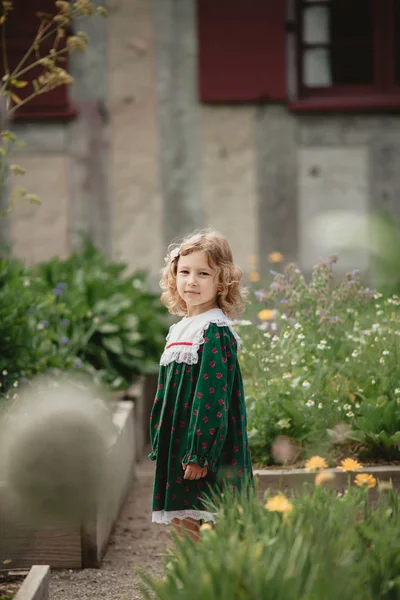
174 254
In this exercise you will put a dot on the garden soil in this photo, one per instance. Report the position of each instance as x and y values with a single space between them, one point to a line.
135 544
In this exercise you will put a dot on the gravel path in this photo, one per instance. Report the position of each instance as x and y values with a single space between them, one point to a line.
136 543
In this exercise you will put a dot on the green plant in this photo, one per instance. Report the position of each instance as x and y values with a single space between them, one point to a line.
320 545
45 55
113 320
25 346
321 366
82 313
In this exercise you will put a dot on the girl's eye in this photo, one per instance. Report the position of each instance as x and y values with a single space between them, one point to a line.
184 271
203 273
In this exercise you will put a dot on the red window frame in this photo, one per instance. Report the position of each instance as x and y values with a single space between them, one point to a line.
384 92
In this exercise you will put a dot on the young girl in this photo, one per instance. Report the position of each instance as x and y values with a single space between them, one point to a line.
198 421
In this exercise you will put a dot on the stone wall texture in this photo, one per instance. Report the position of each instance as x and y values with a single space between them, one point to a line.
259 174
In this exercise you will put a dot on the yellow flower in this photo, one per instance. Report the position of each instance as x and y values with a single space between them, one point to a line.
365 480
75 43
316 463
275 257
206 527
323 477
17 169
254 276
349 465
266 314
279 503
385 486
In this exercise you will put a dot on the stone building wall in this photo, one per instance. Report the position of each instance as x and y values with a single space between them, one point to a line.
145 162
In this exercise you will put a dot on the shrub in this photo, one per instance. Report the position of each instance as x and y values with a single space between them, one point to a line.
25 345
82 313
115 319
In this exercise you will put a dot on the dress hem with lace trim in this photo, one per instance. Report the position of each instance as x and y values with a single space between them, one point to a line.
167 516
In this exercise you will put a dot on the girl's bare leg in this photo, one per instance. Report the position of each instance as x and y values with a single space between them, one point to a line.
189 526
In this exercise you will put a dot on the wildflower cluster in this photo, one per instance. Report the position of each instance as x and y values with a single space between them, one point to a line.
321 362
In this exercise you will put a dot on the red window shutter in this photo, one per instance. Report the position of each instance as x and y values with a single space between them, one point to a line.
21 28
242 54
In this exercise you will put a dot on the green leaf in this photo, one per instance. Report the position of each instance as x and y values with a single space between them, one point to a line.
114 344
107 327
131 321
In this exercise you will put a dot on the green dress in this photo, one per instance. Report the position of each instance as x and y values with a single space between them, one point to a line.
198 416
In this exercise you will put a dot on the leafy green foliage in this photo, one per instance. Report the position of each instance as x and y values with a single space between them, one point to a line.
117 321
336 548
25 345
80 313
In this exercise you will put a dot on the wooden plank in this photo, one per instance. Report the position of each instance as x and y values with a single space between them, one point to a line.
290 481
96 531
36 584
25 546
136 394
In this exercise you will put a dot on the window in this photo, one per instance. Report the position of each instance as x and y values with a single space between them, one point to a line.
349 52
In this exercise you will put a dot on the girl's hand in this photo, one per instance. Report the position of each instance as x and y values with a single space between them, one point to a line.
193 471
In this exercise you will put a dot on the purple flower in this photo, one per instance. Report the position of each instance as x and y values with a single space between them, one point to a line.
283 301
57 292
61 286
259 294
273 272
355 272
42 324
64 340
351 281
65 322
78 363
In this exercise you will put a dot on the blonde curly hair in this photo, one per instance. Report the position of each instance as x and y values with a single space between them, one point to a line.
231 298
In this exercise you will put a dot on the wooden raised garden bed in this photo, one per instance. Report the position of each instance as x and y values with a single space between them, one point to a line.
30 585
142 394
83 544
290 481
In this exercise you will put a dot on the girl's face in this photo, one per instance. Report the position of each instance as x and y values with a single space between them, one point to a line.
197 283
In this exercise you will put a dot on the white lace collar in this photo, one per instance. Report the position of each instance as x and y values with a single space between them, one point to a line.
185 338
